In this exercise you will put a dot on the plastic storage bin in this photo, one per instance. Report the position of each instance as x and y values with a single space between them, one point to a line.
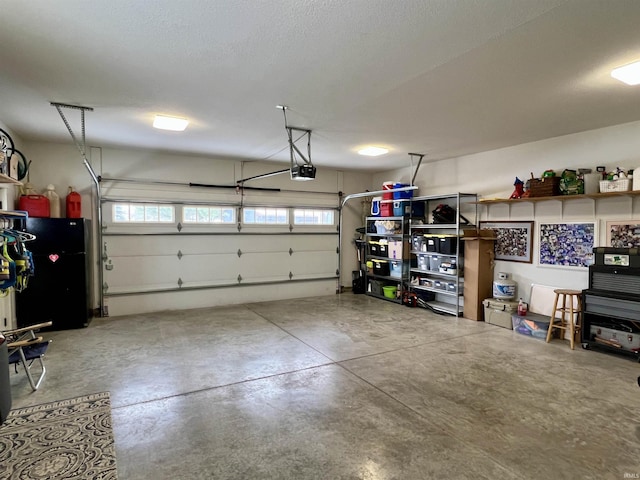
448 245
375 287
434 263
417 243
386 227
450 268
423 261
621 185
532 324
395 269
432 243
381 267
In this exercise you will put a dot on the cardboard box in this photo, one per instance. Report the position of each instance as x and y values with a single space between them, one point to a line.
478 271
399 249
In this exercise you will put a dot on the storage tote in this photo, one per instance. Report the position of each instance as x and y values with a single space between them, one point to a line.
381 267
396 269
448 245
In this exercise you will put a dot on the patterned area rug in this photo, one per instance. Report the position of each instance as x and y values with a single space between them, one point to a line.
70 439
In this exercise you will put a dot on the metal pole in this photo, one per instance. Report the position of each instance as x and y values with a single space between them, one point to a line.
413 180
98 210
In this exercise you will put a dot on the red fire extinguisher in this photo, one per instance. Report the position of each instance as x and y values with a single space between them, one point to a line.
74 204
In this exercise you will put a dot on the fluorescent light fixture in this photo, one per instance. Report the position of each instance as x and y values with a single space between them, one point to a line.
629 74
170 123
373 151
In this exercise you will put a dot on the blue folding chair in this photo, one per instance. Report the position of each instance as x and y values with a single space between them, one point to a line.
25 348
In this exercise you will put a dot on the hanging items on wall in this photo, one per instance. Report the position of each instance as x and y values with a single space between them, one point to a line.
6 148
12 162
16 262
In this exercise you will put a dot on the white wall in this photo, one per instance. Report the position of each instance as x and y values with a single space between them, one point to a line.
61 165
492 174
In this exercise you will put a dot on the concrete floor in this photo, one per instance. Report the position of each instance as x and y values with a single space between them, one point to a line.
346 387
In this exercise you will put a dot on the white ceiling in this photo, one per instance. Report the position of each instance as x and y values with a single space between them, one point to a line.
440 77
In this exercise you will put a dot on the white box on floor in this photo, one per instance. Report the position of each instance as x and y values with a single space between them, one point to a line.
498 312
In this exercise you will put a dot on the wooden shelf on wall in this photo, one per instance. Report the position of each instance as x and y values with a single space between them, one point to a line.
561 198
7 179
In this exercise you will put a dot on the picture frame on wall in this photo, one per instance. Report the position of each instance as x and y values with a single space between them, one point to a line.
623 233
567 244
513 240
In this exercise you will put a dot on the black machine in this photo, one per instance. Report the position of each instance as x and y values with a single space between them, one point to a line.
60 289
612 302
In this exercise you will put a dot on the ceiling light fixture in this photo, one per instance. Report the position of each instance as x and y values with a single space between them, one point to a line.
629 74
175 124
373 151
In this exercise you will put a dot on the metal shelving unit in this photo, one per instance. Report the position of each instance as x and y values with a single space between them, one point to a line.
446 286
375 281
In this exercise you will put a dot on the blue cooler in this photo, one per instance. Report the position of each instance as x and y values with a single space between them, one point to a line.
402 195
398 207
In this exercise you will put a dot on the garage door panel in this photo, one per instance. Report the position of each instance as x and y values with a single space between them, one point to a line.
140 245
265 243
170 244
321 263
144 271
215 268
259 265
306 243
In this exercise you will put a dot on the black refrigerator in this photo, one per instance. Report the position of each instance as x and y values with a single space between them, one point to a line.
60 290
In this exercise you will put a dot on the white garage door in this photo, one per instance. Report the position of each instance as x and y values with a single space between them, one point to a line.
153 245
